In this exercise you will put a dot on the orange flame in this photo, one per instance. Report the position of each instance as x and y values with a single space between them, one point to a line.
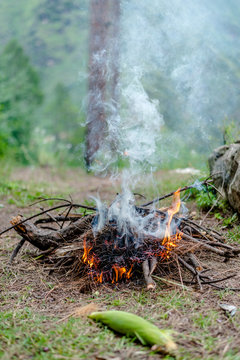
99 277
129 273
170 241
86 251
87 258
120 271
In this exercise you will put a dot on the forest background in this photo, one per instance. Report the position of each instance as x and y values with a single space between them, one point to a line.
44 81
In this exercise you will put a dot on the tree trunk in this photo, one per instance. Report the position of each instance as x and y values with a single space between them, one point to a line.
103 71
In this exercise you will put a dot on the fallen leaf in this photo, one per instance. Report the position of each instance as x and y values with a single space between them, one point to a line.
85 310
81 311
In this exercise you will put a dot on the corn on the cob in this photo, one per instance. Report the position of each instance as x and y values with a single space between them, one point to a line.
135 326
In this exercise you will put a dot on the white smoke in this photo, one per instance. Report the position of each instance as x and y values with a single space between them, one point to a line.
193 47
179 79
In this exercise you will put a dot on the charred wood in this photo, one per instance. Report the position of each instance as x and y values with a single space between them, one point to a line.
44 239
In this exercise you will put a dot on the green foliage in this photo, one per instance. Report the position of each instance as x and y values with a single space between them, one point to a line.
20 94
231 131
205 200
54 35
233 235
227 222
26 133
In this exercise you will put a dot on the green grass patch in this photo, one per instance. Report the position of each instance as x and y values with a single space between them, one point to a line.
24 334
20 195
233 235
23 194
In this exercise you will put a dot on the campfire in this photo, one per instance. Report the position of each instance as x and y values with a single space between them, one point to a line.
125 242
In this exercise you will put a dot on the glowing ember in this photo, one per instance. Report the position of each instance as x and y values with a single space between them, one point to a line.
118 272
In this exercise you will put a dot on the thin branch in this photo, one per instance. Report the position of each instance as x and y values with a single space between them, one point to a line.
47 199
16 250
219 280
205 182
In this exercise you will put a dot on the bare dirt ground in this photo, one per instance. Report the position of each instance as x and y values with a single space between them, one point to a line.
203 330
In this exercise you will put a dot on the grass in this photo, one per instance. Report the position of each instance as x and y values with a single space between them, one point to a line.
24 192
21 195
25 334
233 235
32 303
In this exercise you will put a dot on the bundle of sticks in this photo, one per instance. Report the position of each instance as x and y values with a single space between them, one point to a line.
62 240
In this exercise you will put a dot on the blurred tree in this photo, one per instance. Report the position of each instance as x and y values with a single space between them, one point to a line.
20 95
103 70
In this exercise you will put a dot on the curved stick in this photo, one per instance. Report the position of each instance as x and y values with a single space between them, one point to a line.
45 211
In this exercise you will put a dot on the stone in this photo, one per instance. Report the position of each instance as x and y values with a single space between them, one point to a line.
224 164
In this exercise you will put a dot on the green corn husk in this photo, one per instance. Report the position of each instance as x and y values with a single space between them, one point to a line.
135 326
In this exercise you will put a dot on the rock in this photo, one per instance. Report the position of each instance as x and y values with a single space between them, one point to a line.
224 165
229 309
